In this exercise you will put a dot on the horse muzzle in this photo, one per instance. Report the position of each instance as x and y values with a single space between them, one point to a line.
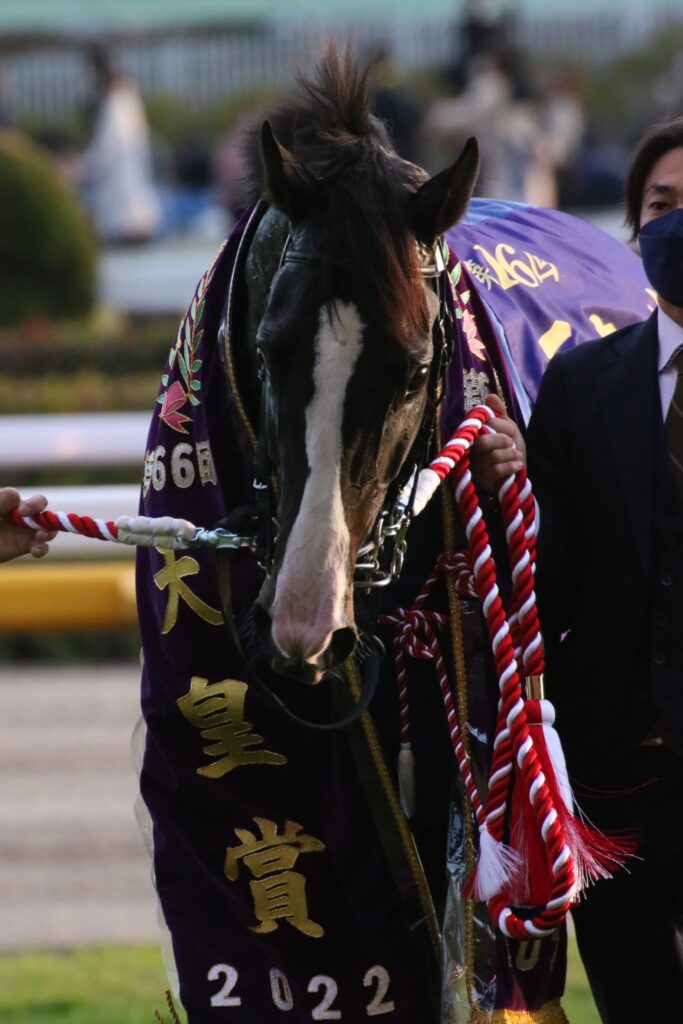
301 652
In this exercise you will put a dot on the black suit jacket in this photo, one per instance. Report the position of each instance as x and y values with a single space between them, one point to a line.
591 449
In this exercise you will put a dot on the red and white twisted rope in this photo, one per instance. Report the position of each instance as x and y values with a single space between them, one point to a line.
162 531
513 738
512 638
415 634
69 522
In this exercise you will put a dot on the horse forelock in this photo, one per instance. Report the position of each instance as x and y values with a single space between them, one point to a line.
359 189
365 235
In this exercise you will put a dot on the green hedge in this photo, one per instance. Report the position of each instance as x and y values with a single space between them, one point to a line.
105 342
104 363
85 391
47 253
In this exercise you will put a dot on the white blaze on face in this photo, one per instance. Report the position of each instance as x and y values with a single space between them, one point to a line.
311 586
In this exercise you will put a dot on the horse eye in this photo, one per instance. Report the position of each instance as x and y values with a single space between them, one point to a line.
416 379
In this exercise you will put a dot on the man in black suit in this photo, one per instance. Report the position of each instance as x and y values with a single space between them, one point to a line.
605 456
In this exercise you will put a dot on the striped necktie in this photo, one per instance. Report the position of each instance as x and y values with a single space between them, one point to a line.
674 423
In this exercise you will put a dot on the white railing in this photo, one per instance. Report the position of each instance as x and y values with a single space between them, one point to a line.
88 439
205 67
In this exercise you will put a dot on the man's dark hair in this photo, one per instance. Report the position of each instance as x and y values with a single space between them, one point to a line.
657 141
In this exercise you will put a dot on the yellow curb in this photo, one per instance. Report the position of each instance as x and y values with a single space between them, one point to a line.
67 596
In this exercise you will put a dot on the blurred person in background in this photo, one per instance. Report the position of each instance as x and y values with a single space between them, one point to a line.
498 107
562 131
18 540
116 169
6 119
229 169
478 34
518 126
395 104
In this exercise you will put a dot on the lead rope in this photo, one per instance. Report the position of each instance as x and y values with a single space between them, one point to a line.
515 640
142 531
513 743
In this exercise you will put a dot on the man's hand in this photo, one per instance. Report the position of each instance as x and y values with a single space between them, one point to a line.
496 456
19 540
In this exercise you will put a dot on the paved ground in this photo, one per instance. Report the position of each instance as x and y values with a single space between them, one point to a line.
73 868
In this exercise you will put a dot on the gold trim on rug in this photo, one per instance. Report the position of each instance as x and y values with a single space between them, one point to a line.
245 241
398 815
460 667
550 1013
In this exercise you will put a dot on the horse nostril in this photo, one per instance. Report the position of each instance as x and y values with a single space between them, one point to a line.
262 621
339 648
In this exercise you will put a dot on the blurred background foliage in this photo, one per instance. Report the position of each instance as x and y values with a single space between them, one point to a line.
107 361
47 251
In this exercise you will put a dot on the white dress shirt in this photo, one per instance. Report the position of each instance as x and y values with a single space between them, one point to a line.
670 339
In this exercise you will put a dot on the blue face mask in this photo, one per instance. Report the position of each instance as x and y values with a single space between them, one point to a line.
661 246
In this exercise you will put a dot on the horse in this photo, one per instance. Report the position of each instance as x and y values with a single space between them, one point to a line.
345 345
333 340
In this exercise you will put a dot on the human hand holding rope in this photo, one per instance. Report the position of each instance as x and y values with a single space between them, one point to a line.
495 456
15 538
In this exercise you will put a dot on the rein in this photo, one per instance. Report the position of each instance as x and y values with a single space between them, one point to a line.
378 563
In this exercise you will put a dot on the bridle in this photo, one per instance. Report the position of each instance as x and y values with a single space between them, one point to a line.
380 559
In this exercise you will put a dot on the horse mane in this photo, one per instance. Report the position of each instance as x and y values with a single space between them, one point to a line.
359 188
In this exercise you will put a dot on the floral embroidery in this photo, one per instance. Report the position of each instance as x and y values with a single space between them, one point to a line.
184 363
171 401
466 316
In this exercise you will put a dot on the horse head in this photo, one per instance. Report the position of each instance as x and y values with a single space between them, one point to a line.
345 347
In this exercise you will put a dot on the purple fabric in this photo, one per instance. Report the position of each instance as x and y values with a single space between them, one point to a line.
540 271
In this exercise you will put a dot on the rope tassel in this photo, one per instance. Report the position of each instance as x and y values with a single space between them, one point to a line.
498 866
595 855
407 788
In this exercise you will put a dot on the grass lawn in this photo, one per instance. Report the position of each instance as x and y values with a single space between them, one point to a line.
125 986
87 986
578 1001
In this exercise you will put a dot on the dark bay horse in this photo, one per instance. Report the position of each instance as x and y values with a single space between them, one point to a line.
344 341
331 341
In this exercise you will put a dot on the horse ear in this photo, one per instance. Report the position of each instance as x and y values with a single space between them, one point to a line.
440 202
283 175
